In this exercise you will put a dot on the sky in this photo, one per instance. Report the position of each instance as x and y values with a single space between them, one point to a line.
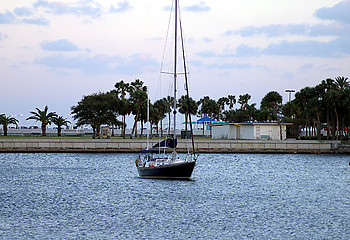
55 52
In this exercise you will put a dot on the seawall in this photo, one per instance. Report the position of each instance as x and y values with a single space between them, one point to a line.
202 146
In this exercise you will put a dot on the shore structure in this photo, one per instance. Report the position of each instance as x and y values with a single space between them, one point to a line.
202 145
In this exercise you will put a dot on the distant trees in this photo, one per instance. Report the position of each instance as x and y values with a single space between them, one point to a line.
162 109
324 106
43 116
122 89
97 109
209 107
245 113
60 121
138 98
186 107
6 120
271 104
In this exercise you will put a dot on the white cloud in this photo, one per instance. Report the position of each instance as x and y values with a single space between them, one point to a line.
122 7
7 18
307 42
23 11
59 45
340 12
22 15
36 21
200 7
3 36
80 8
102 64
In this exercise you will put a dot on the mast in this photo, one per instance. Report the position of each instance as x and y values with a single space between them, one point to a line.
175 65
149 128
186 88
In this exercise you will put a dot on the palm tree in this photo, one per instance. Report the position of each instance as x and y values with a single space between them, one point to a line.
5 121
301 102
342 83
59 121
231 101
154 117
243 100
272 100
222 102
315 105
138 95
209 107
162 106
187 106
125 109
44 117
338 95
327 85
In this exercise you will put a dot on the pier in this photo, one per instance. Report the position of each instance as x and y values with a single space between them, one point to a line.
39 144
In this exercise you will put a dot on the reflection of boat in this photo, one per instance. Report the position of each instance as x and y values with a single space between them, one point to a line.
155 163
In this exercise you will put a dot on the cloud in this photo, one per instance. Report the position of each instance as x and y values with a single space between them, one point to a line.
277 30
335 48
36 21
3 36
230 66
340 12
81 8
208 40
197 8
23 11
338 47
207 54
200 7
7 18
246 51
122 7
22 15
306 67
102 64
59 45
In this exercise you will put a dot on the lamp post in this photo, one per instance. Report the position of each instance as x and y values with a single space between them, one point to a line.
290 91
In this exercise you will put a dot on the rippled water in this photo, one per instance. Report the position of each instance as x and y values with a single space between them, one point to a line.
231 196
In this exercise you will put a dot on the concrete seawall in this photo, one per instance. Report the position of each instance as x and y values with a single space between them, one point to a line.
135 145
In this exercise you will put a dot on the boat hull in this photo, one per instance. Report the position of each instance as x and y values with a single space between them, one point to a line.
170 171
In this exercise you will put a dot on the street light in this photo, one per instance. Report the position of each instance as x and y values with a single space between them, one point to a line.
290 91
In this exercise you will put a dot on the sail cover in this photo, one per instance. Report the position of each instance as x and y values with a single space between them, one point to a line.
167 143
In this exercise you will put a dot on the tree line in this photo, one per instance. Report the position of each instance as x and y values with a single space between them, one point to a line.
324 106
43 116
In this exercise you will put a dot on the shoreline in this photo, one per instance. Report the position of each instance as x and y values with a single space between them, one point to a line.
67 145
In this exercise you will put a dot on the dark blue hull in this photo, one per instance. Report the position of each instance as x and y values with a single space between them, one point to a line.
171 171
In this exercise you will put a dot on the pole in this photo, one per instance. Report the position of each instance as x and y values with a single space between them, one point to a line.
290 91
175 66
149 123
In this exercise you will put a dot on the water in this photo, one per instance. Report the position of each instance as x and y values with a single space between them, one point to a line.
231 196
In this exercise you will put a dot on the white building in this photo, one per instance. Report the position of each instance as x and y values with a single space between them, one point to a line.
269 131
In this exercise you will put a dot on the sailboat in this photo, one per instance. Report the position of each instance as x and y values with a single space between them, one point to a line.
154 163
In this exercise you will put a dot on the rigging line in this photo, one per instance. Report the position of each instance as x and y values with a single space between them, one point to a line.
186 85
175 65
164 48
